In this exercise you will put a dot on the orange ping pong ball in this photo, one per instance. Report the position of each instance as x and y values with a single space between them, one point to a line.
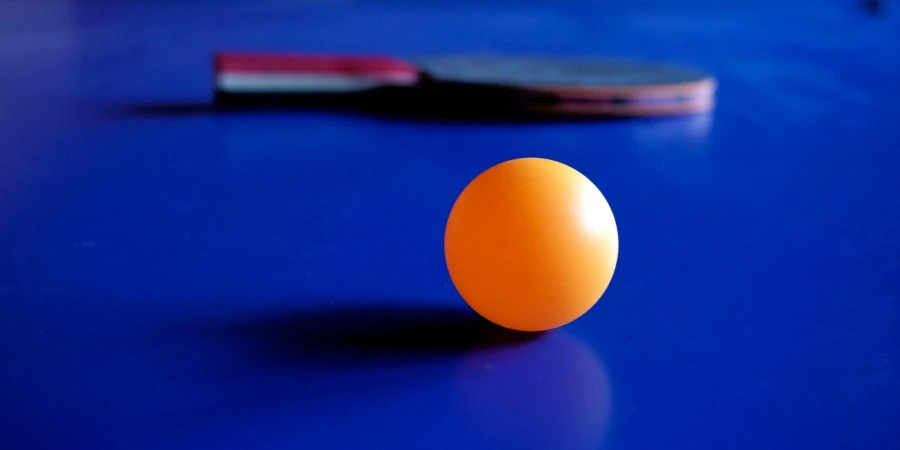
531 244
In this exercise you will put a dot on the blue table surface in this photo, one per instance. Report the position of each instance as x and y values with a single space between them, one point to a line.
175 278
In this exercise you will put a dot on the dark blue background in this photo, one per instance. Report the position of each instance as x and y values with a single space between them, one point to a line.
174 279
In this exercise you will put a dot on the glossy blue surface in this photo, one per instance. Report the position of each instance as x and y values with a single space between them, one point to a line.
176 279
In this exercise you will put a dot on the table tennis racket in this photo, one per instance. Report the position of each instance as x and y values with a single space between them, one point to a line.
542 85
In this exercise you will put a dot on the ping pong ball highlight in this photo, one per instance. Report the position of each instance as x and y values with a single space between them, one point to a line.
531 244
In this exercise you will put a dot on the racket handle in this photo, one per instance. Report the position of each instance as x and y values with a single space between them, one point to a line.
374 67
302 73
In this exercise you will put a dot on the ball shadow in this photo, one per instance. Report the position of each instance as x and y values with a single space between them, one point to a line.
373 334
324 354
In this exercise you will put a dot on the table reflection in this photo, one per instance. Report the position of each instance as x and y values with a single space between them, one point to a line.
551 392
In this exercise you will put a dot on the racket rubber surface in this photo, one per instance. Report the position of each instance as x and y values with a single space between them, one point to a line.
580 86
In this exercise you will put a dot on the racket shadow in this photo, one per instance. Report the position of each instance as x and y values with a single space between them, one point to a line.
172 109
379 105
460 105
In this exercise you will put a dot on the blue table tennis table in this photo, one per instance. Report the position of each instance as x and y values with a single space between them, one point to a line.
174 277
